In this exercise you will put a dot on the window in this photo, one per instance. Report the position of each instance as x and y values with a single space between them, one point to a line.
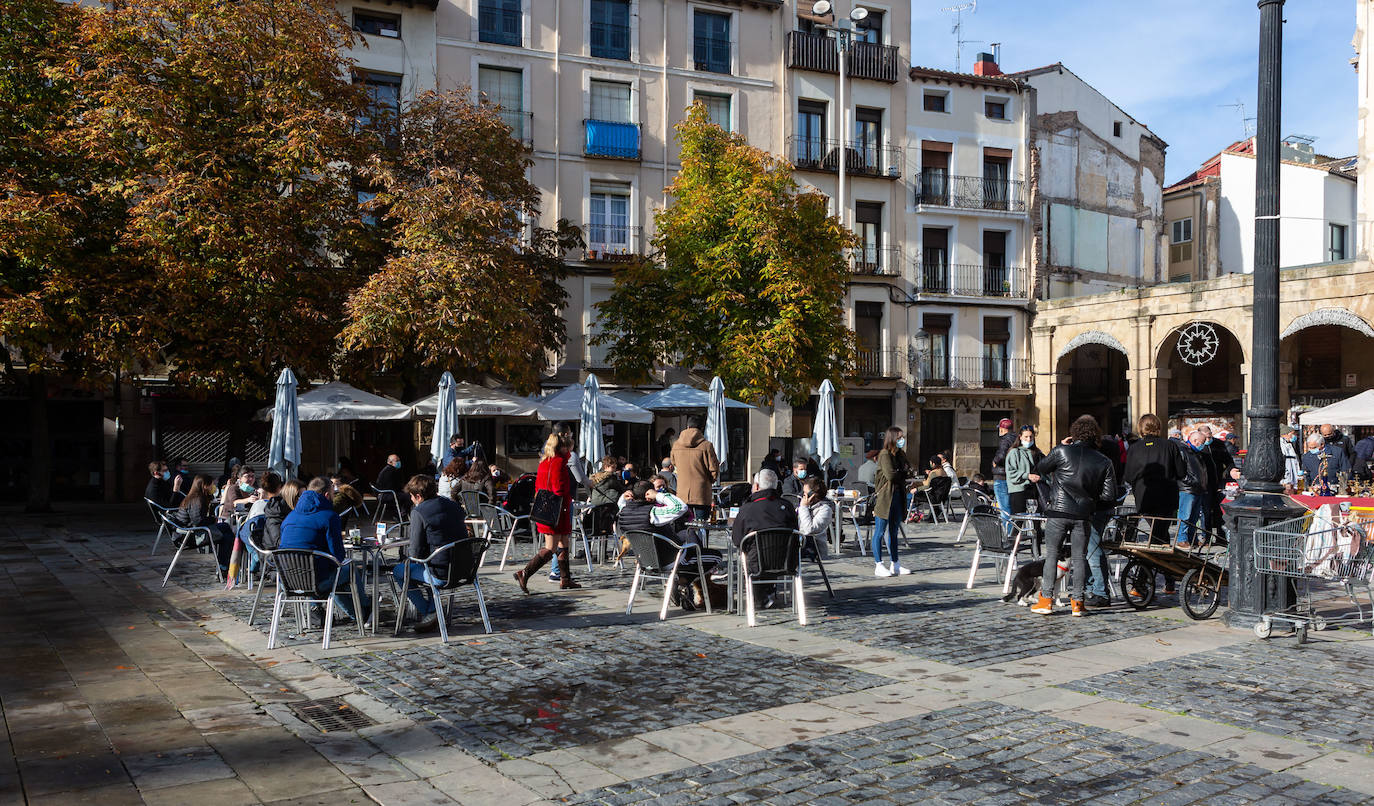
367 216
610 29
996 182
868 139
995 282
871 29
868 333
610 101
934 101
868 224
717 108
499 22
810 133
711 41
996 335
1181 231
935 260
934 185
383 101
1337 247
995 109
505 88
935 369
377 23
1116 128
609 228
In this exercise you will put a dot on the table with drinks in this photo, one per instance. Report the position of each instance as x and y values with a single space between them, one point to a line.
371 549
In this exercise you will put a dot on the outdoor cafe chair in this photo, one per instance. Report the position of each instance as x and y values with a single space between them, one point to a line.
594 524
264 567
464 560
386 498
937 498
657 557
500 522
158 511
778 557
996 539
472 501
297 585
196 537
971 499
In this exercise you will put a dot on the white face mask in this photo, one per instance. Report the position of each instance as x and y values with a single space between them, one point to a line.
1028 442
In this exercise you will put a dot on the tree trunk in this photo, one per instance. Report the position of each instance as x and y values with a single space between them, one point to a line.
40 445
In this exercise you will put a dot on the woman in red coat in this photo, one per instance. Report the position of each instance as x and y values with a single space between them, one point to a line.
553 475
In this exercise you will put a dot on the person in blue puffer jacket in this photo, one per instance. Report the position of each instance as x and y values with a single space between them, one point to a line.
313 525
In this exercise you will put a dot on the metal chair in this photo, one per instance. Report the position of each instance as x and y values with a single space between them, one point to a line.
500 521
657 557
972 499
595 523
995 540
198 536
811 541
472 501
384 498
464 559
937 498
778 556
264 564
297 585
158 511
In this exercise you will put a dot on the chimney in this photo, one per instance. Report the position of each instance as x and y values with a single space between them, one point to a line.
986 66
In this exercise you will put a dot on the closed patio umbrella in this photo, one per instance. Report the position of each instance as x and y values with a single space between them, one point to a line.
590 445
445 418
825 437
716 432
284 451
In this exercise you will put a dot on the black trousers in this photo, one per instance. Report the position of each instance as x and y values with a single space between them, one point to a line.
1056 529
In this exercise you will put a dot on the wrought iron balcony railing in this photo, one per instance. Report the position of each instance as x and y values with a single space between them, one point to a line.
939 189
808 51
885 260
864 159
607 138
969 372
964 280
610 243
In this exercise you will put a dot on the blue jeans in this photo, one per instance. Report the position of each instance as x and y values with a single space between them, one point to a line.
888 527
419 595
1097 557
348 575
1003 495
1192 515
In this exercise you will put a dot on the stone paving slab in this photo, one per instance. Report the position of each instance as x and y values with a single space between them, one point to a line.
1315 692
516 694
985 753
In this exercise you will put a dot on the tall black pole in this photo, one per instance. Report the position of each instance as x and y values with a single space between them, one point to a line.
1251 594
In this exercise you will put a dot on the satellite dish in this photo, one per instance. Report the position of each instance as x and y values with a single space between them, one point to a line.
821 8
859 14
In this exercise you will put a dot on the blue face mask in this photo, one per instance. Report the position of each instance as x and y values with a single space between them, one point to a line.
166 475
1314 450
801 474
901 443
626 475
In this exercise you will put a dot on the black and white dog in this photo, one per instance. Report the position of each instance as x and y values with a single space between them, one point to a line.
1025 585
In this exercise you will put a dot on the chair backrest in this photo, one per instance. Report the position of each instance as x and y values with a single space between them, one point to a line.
464 557
654 552
498 520
792 499
974 498
472 500
939 489
297 570
599 520
156 509
734 495
778 550
520 495
990 527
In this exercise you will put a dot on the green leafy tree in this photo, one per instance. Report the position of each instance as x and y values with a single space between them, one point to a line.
748 277
466 284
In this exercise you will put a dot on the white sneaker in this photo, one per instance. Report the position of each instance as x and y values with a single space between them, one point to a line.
880 570
898 570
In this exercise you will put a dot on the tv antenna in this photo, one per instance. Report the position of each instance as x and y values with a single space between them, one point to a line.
958 29
1247 125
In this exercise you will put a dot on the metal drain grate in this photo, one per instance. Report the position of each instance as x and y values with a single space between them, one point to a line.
331 714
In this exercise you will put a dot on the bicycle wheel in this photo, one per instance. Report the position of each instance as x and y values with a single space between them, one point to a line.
1138 583
1201 594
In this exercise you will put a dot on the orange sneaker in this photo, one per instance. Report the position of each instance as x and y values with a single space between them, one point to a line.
1044 606
1078 608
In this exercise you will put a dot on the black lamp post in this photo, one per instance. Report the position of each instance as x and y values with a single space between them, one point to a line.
1261 504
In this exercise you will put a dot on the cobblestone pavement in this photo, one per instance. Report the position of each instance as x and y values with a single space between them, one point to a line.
513 695
1319 691
988 753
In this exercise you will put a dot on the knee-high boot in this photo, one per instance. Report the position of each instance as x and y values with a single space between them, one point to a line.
565 570
523 576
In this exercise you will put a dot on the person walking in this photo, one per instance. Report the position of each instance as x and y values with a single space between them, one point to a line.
1080 479
1006 440
695 459
1021 460
889 501
553 475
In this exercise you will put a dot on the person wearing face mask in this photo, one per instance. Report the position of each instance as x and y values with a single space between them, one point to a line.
391 478
1323 465
1193 489
889 501
244 488
159 489
792 485
476 478
1292 464
1021 460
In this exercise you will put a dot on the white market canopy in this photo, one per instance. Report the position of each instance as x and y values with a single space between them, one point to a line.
1357 410
682 396
477 401
566 404
339 401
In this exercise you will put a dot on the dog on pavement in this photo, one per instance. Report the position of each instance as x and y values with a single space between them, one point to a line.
1025 584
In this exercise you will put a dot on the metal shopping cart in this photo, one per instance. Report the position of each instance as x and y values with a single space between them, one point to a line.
1318 550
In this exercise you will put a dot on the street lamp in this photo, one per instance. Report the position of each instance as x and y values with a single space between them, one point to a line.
844 33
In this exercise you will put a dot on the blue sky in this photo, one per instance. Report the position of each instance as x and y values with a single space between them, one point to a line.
1174 65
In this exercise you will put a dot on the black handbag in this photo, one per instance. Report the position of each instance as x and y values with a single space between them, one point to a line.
547 509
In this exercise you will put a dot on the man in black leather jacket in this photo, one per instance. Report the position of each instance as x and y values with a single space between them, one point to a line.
1080 479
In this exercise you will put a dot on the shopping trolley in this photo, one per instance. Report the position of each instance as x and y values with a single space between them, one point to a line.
1320 549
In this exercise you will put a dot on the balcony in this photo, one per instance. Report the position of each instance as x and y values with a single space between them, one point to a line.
611 243
938 189
864 159
610 139
965 280
521 124
970 372
877 364
808 51
884 260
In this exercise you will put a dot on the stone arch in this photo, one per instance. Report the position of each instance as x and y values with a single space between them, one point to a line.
1328 316
1159 352
1092 337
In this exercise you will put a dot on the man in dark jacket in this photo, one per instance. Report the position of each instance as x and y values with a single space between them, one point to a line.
1336 439
314 526
1323 466
765 509
1223 469
390 478
1154 466
792 485
434 522
159 489
1364 454
1194 489
1080 480
1006 440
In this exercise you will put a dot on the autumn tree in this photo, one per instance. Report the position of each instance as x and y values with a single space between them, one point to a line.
468 284
747 277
